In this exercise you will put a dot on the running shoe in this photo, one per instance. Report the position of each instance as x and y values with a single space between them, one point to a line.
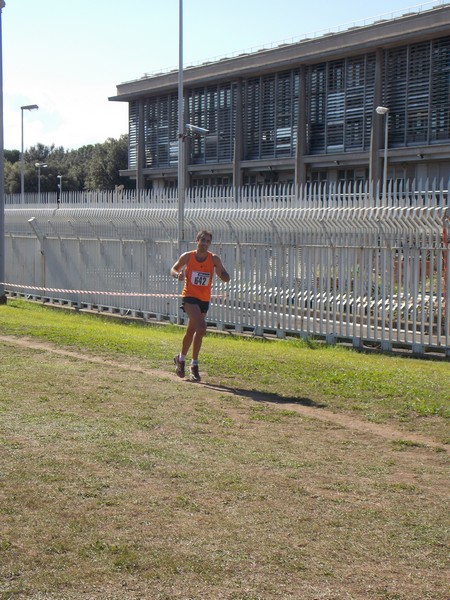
194 375
179 366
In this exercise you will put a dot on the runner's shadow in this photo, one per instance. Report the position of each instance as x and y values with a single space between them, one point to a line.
264 396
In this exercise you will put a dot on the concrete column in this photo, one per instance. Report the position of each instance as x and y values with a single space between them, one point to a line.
140 150
187 154
377 121
238 138
301 147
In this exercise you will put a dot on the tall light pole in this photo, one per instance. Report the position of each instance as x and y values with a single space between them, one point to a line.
2 174
181 182
383 110
184 130
60 187
39 166
22 165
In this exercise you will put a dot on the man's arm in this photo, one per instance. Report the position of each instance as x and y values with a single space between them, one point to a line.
177 271
220 269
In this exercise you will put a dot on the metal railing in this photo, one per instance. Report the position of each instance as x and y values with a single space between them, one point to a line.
312 262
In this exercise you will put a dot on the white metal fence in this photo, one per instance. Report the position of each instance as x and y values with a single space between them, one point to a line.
334 263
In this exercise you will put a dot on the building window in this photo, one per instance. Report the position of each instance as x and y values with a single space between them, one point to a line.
212 181
161 131
133 114
317 177
417 92
340 105
440 91
271 116
213 108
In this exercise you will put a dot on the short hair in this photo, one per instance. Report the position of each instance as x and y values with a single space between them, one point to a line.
202 233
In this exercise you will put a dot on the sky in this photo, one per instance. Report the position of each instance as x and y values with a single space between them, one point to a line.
68 57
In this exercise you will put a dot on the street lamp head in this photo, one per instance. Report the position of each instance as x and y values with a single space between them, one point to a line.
29 106
196 131
2 4
39 164
382 110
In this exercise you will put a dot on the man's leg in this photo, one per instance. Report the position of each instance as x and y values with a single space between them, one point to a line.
179 359
195 331
188 337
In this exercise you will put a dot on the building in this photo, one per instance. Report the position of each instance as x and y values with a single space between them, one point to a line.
305 111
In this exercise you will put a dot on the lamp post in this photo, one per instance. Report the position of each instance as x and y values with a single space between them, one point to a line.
22 166
383 110
60 187
181 182
39 166
2 173
184 130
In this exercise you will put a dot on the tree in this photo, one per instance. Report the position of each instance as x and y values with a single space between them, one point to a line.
89 167
107 160
12 156
12 177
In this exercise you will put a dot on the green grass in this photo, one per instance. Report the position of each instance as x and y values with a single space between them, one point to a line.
118 480
379 388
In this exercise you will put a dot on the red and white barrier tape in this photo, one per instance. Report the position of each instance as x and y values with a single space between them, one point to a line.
33 288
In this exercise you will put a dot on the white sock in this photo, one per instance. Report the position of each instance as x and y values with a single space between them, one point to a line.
182 357
194 362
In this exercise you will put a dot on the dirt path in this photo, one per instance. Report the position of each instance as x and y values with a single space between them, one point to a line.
344 420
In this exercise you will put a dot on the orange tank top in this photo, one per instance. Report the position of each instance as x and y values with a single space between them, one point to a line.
198 278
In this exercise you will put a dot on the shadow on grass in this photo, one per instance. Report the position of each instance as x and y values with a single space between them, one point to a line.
264 396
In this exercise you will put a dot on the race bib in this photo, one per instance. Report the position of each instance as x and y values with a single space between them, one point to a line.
200 278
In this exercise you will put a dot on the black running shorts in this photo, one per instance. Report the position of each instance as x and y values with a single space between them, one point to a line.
204 306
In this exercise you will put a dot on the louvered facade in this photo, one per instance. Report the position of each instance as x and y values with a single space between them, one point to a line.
213 108
416 88
340 104
270 109
305 111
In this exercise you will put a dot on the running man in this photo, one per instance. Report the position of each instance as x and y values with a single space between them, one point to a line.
196 269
